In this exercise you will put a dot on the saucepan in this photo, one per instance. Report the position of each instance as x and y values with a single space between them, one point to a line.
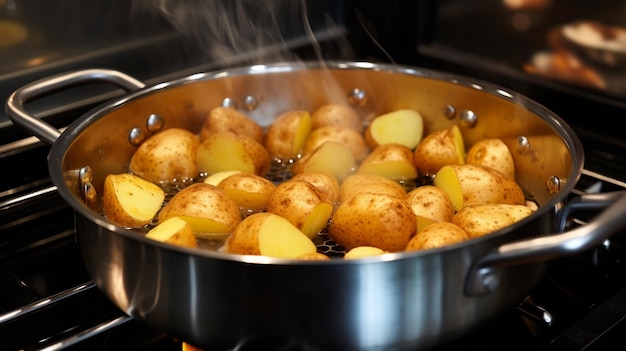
398 300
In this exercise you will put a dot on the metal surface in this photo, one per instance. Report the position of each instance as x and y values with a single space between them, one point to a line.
398 300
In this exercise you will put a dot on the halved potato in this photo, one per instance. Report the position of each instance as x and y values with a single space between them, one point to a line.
470 184
175 231
130 201
481 219
393 161
286 136
227 119
349 137
431 203
371 183
251 192
167 156
439 148
302 204
492 153
336 115
369 219
269 234
205 207
225 151
326 183
437 234
362 251
332 158
404 126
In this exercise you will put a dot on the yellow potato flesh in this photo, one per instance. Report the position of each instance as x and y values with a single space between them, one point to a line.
393 161
302 133
206 225
223 153
318 219
399 127
131 201
279 238
330 158
216 178
447 180
175 231
362 251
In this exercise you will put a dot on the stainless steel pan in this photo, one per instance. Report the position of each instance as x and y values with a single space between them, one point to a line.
395 301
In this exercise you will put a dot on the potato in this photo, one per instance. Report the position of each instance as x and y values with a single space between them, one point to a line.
302 204
130 201
438 234
336 115
393 161
478 220
216 178
492 153
370 219
175 231
349 137
205 207
313 256
167 156
225 151
286 136
251 192
362 251
269 234
404 127
226 119
431 203
371 183
332 158
326 183
469 184
439 148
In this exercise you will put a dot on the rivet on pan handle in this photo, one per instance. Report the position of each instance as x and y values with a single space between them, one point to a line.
43 130
484 277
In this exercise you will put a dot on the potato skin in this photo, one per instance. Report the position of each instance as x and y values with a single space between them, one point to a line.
336 115
436 150
431 202
295 201
113 203
357 183
167 156
286 136
226 119
478 220
438 234
492 153
250 191
204 201
369 219
350 137
484 185
326 183
394 161
243 153
245 238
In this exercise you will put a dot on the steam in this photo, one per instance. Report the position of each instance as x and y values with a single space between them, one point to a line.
243 30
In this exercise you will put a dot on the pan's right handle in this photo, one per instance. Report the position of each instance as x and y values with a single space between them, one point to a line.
484 276
43 130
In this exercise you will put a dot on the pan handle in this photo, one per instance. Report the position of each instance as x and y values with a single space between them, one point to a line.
43 130
485 274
